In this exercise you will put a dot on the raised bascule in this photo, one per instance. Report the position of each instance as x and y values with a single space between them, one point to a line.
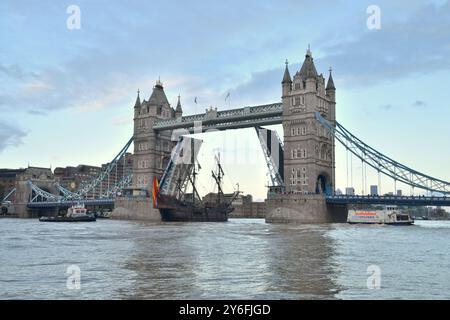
301 167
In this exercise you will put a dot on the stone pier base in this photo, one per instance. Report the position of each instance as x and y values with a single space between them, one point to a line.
21 210
137 208
303 209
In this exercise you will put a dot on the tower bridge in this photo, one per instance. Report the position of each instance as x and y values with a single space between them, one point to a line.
246 117
301 164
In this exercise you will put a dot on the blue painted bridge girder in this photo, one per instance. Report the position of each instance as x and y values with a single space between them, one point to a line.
63 204
390 200
247 117
341 199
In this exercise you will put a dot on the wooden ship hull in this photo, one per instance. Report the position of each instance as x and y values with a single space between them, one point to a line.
169 193
172 209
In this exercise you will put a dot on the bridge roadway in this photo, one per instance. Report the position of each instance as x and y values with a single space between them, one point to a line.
246 117
341 199
63 204
390 200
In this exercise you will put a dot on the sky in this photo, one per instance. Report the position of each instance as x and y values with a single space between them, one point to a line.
67 95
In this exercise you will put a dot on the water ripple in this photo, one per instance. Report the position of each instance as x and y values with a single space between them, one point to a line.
241 259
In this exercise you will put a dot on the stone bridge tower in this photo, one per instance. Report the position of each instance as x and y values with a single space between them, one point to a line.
309 157
152 152
151 149
309 162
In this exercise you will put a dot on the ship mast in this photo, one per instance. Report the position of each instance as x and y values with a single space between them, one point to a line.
194 190
218 177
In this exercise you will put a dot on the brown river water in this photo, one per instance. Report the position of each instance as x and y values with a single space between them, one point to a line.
239 259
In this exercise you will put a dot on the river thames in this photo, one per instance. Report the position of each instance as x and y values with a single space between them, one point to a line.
239 259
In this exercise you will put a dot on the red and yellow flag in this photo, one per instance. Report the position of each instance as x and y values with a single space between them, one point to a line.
155 191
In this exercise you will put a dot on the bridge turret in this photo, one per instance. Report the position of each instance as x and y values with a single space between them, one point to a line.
287 81
151 149
308 150
158 104
137 105
138 100
331 89
178 110
331 95
308 73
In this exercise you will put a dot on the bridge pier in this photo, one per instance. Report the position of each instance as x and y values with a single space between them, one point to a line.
22 196
41 177
135 208
303 209
37 213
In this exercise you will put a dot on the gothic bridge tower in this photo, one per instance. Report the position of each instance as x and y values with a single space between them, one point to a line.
152 151
309 162
309 156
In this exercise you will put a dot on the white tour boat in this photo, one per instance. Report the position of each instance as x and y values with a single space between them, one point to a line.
389 215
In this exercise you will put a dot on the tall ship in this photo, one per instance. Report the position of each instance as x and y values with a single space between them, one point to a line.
175 204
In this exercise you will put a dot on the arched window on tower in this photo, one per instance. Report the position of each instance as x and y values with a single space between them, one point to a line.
323 152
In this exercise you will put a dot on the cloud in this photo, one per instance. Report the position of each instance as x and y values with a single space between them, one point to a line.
260 88
87 83
417 44
68 86
10 136
120 121
386 107
419 104
416 104
37 86
15 72
6 100
106 73
36 112
104 63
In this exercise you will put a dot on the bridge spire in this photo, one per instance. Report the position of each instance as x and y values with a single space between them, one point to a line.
308 69
287 76
138 100
330 84
286 83
158 96
178 110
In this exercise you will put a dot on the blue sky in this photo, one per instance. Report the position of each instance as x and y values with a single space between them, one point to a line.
66 96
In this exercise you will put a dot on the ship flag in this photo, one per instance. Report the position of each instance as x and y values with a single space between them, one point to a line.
155 191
